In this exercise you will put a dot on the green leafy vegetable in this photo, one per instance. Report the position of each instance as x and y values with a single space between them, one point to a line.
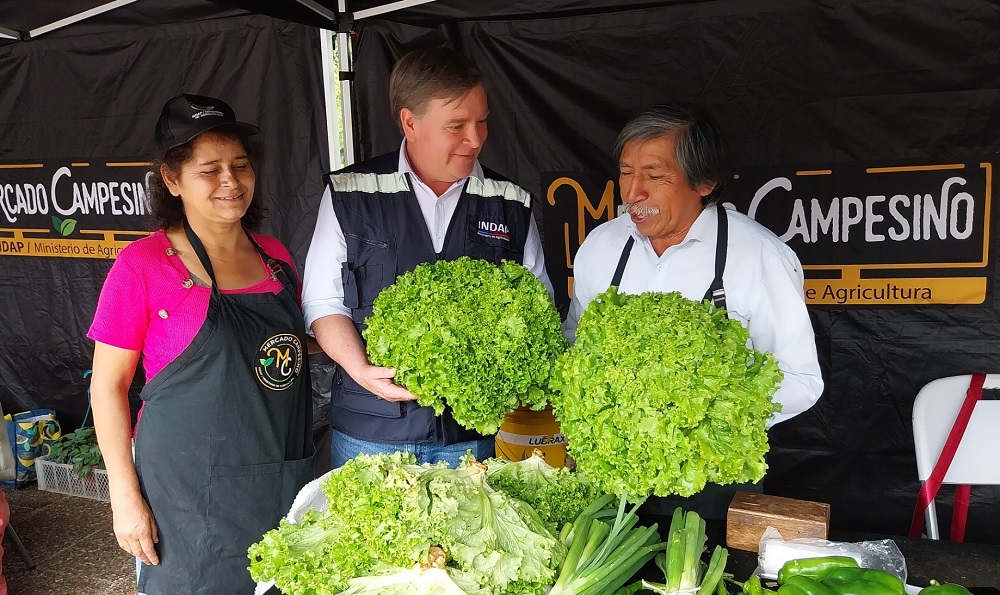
683 568
468 334
493 538
415 581
369 524
432 578
385 513
605 549
557 495
79 449
661 395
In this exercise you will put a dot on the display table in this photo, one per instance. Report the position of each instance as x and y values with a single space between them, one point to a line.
968 564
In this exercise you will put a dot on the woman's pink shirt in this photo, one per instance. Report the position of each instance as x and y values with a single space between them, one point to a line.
144 305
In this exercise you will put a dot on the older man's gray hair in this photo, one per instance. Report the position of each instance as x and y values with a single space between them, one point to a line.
701 150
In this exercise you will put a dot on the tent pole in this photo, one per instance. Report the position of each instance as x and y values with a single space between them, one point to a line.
361 14
9 33
346 74
78 17
319 9
331 76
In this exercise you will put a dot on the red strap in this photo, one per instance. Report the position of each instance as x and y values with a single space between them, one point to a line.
960 513
930 488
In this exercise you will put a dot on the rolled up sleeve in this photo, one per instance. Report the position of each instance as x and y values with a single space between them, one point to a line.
322 283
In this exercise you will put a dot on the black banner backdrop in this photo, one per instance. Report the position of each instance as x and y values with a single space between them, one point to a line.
76 135
879 120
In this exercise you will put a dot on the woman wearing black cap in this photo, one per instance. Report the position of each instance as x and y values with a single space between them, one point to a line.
224 438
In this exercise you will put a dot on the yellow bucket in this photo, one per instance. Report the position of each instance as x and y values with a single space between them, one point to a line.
524 430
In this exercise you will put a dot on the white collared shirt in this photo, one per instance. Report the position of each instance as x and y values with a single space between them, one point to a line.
763 282
322 284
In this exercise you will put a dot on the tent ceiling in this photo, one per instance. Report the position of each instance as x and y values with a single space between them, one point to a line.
25 17
19 17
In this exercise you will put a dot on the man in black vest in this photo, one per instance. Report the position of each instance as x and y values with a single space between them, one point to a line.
430 200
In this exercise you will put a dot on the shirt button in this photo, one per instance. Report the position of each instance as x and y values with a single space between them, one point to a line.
163 314
171 252
188 283
659 267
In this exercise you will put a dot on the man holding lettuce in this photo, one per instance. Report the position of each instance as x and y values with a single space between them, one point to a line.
676 236
430 200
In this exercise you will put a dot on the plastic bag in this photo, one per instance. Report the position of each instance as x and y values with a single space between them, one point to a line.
775 551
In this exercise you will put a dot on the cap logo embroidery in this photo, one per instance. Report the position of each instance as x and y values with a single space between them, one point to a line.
204 110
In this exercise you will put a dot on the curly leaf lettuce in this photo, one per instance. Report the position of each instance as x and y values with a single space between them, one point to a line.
661 395
369 524
470 335
557 495
385 513
495 539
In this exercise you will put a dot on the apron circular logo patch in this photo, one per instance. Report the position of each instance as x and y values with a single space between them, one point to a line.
279 361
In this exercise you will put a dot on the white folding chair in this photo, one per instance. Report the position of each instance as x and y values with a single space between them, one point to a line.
977 461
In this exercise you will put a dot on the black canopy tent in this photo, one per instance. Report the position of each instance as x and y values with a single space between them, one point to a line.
844 86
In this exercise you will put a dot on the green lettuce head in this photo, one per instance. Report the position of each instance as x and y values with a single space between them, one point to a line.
660 395
468 334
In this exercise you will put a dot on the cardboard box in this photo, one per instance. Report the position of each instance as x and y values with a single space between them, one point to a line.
750 514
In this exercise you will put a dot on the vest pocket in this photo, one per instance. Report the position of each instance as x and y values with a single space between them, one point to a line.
362 284
348 394
367 403
490 238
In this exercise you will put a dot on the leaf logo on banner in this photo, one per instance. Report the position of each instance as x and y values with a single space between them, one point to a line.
63 226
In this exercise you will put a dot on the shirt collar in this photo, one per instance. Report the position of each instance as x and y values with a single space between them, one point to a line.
404 167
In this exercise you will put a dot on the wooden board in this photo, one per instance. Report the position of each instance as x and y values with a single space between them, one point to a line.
750 514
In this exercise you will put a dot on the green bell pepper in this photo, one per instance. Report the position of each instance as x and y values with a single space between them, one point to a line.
849 575
752 586
858 587
790 590
810 586
815 568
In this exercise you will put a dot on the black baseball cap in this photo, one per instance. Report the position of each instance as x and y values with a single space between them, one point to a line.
186 116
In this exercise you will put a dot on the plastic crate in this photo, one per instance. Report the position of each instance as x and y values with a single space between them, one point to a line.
60 478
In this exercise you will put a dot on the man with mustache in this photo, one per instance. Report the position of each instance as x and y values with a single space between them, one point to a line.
427 201
673 165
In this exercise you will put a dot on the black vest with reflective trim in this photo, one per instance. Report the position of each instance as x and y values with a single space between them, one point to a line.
386 236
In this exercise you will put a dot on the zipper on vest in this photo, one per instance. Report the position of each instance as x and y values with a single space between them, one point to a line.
378 243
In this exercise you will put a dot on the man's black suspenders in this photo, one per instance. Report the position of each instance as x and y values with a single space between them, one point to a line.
716 292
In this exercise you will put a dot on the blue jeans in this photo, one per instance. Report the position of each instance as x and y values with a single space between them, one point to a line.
344 448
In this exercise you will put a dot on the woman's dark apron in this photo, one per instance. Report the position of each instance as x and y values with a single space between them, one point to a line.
713 501
225 439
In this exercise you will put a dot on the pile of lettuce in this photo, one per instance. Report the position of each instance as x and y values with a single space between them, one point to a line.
557 495
660 395
468 334
385 513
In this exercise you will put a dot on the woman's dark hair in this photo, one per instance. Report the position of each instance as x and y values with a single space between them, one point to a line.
701 149
167 210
